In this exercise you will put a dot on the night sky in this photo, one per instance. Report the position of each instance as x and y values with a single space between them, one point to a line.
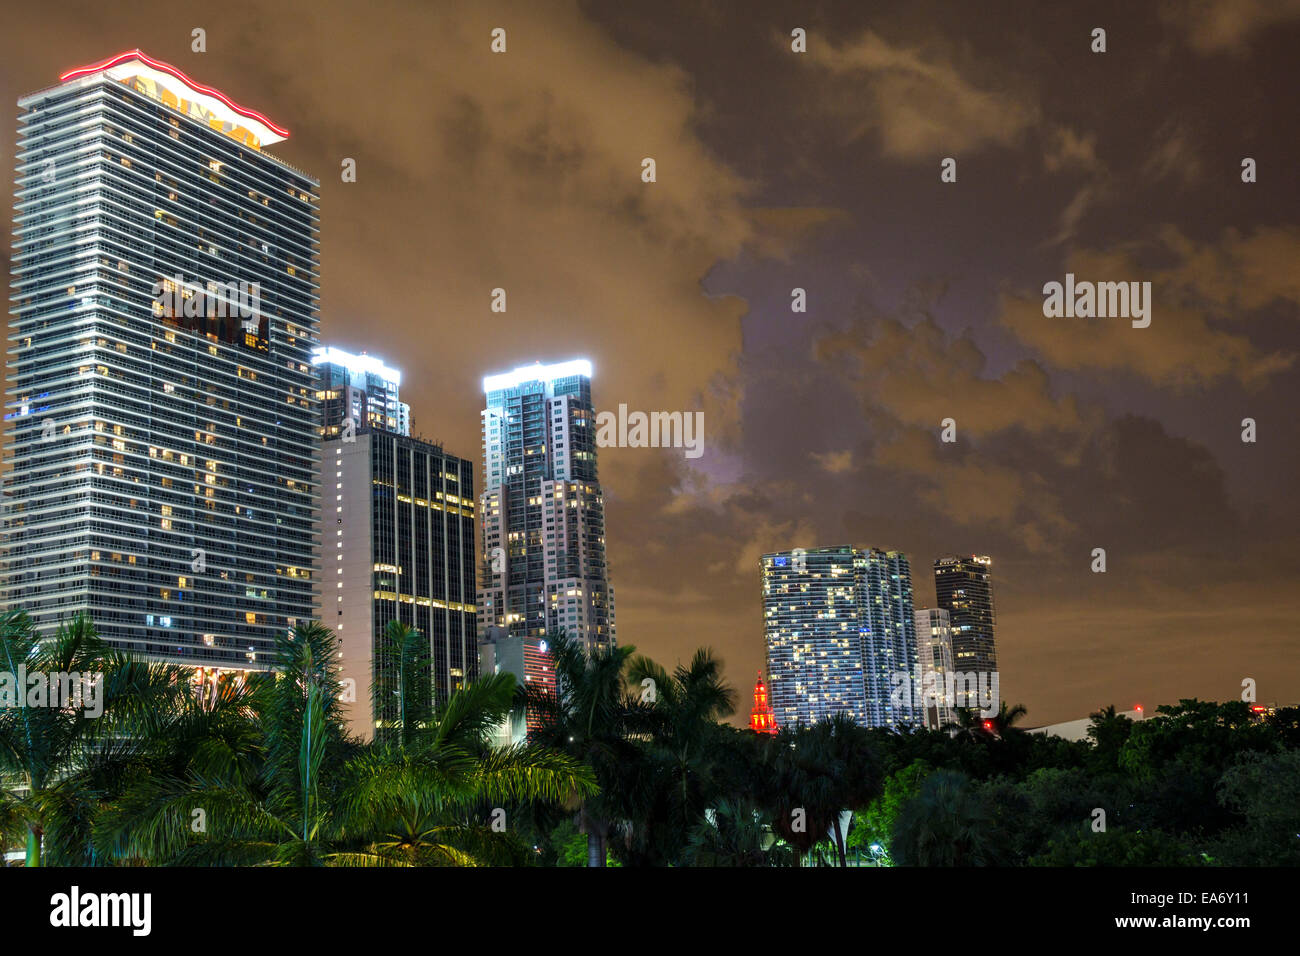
778 170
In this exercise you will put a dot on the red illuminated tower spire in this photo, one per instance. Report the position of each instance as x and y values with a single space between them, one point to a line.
761 719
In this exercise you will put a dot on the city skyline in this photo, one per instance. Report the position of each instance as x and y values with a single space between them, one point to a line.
923 304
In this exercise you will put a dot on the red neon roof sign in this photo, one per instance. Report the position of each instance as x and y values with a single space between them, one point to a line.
169 69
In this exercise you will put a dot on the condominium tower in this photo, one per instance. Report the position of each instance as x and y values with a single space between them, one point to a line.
161 436
841 636
356 391
398 536
963 588
934 640
542 506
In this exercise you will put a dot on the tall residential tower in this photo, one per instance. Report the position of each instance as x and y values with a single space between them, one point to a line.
542 506
964 589
841 636
161 414
934 641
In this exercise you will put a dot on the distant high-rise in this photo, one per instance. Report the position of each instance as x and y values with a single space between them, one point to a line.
161 418
399 535
359 389
542 506
934 640
841 635
964 589
529 659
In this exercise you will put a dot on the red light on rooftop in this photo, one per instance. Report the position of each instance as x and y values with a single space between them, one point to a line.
168 68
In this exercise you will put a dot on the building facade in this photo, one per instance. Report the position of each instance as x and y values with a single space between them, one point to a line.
841 636
398 537
964 588
161 436
529 660
543 509
934 640
357 391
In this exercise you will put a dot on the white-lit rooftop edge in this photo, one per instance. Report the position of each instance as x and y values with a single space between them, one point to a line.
329 355
537 373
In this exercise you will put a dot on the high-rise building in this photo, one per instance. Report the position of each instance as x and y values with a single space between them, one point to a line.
963 588
934 640
543 509
161 415
358 389
761 719
841 635
398 536
529 659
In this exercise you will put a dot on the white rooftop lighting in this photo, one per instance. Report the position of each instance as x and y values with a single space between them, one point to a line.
537 373
329 355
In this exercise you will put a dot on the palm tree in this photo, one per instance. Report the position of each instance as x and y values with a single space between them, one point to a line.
734 836
590 718
967 726
684 743
802 796
315 798
1108 732
815 774
945 824
56 759
1006 717
856 777
415 793
971 725
402 691
276 811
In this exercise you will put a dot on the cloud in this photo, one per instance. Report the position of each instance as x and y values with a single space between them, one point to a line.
1227 26
834 462
1068 149
920 376
919 105
1206 286
1175 156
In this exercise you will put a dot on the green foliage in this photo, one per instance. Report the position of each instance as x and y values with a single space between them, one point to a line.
945 824
261 771
875 824
1116 848
1265 790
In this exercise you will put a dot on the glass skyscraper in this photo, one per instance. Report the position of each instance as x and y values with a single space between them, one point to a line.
161 419
841 636
964 588
360 388
398 535
542 506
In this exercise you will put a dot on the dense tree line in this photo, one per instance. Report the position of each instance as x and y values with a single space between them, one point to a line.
629 765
